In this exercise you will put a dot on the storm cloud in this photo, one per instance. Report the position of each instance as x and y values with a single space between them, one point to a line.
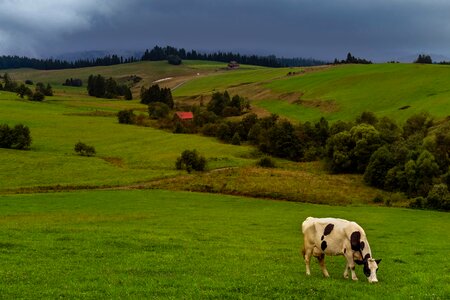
379 30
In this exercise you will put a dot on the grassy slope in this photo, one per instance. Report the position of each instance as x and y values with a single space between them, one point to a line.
125 154
381 88
158 244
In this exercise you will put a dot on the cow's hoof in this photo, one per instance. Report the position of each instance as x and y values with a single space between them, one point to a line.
346 276
355 279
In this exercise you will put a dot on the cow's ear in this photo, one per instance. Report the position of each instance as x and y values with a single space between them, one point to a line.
378 261
359 262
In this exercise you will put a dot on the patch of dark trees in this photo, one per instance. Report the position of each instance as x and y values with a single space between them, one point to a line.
73 82
14 62
41 90
423 59
155 94
164 53
171 54
351 60
100 87
17 137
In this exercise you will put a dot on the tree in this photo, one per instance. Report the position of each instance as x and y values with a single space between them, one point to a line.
18 137
23 90
190 160
174 60
21 137
380 163
423 59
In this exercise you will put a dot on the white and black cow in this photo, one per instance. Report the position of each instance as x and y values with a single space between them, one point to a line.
330 236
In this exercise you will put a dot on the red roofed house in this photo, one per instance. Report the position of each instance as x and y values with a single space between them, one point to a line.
183 116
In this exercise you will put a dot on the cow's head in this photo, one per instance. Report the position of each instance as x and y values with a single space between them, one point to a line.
370 268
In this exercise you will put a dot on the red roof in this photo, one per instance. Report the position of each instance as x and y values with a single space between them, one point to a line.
185 115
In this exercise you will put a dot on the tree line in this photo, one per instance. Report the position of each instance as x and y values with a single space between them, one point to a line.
14 62
172 54
164 53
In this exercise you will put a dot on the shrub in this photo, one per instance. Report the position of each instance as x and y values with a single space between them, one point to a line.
266 162
36 96
126 117
236 140
84 150
439 197
158 110
18 137
190 160
29 82
419 202
378 199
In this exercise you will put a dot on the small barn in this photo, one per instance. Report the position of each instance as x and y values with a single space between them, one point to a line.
233 65
183 116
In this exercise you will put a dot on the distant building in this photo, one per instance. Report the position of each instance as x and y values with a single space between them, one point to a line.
233 65
183 116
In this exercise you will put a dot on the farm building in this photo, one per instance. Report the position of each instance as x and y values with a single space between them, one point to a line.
233 65
183 116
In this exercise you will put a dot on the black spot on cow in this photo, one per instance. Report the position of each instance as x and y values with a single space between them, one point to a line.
328 229
322 238
362 246
345 250
354 241
367 256
366 269
323 245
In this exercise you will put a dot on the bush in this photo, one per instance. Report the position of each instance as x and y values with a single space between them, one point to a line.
126 117
378 199
29 82
419 202
236 140
439 197
190 160
36 96
266 162
84 150
18 137
158 110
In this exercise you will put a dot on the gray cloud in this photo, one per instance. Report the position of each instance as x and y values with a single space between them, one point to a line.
377 30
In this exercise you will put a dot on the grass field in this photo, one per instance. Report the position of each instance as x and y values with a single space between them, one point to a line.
128 243
160 244
125 154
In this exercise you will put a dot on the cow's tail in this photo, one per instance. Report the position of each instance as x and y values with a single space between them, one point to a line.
303 251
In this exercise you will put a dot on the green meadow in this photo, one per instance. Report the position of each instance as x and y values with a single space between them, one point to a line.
125 154
338 92
177 245
125 227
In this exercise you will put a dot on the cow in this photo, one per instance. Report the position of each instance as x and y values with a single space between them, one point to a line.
330 236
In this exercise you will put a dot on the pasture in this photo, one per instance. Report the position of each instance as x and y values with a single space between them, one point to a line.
161 244
125 154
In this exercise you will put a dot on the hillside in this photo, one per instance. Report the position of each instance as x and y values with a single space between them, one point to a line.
338 92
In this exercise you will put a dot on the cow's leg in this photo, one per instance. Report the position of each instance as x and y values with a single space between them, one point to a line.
307 252
350 265
346 270
321 259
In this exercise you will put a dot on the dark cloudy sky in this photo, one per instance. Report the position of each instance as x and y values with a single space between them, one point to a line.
325 29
